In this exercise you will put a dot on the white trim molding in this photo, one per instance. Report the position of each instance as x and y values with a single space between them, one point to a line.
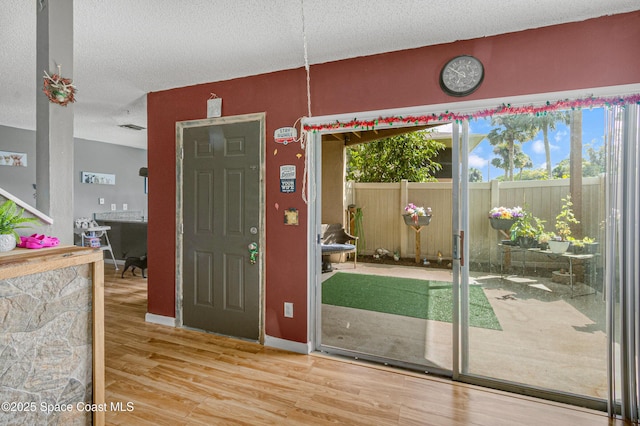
160 319
287 345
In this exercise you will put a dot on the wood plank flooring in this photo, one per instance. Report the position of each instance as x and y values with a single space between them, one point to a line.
172 376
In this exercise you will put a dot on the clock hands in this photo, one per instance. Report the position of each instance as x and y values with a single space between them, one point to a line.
461 74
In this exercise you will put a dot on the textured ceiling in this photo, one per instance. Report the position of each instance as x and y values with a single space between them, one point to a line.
126 48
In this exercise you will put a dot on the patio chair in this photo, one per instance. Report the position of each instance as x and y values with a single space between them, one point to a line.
336 240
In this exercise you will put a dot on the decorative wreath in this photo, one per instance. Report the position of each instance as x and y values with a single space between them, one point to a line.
59 90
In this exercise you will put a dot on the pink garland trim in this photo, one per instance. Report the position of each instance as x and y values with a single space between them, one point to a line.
590 102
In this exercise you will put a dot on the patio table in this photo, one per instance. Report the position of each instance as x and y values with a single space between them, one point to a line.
570 257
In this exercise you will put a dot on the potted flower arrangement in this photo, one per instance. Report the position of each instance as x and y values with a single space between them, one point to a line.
564 219
526 230
543 240
503 218
590 245
586 245
10 220
417 216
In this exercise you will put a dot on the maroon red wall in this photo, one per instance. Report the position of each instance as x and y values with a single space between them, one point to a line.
594 53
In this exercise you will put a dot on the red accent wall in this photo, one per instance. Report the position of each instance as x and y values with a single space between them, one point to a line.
594 53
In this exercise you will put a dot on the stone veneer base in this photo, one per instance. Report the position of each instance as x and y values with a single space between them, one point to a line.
46 345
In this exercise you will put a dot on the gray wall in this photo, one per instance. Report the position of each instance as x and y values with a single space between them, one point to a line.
19 181
91 156
124 162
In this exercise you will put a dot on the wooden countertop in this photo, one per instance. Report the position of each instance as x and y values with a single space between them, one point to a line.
21 261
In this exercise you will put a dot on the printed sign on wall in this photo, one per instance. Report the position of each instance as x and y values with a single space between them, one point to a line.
288 178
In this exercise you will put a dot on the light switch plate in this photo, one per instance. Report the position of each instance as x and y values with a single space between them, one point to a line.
101 201
288 310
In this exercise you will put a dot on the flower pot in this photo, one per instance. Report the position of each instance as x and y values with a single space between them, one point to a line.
558 246
501 224
576 248
7 242
562 277
591 248
422 220
527 242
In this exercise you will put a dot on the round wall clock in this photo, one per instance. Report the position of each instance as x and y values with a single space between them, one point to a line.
461 76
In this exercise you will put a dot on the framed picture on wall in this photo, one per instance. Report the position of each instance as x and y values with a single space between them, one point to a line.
97 178
16 159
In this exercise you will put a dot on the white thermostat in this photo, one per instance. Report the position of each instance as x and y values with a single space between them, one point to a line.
285 135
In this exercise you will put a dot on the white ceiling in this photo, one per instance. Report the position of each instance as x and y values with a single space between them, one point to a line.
124 49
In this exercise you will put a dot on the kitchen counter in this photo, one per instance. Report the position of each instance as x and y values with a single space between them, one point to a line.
128 237
52 335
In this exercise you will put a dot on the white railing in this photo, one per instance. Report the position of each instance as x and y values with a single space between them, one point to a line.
5 195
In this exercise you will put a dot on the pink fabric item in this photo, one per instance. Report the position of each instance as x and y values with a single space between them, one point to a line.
37 241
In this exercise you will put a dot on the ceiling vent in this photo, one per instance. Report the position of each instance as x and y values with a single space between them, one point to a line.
132 126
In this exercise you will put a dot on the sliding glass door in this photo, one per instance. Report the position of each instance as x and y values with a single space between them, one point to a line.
557 304
535 238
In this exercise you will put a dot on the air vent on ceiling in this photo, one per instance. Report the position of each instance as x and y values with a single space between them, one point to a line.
132 126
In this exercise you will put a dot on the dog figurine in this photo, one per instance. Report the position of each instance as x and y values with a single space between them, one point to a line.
133 263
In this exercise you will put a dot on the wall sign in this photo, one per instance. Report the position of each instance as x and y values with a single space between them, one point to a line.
288 178
291 217
285 135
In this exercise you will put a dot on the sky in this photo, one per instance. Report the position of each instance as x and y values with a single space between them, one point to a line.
592 136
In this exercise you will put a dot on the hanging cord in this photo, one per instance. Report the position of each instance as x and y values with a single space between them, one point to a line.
306 60
303 134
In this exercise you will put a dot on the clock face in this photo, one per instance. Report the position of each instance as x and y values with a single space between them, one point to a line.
461 76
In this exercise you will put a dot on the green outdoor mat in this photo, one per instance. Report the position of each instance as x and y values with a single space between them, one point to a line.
424 299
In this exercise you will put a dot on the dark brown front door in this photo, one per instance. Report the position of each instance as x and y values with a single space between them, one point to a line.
221 218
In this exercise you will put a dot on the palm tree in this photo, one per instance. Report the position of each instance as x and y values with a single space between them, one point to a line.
548 122
514 128
520 159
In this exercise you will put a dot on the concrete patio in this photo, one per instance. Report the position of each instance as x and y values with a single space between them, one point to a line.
549 339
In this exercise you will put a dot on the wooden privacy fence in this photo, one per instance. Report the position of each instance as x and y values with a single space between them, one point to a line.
383 204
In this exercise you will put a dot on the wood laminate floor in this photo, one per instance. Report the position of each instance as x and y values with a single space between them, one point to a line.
172 376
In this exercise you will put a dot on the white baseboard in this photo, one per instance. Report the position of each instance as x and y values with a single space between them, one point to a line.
159 319
287 345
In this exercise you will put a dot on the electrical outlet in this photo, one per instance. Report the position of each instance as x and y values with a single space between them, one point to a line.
125 206
113 207
101 201
288 310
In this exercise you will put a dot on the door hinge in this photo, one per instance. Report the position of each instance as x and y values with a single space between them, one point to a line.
182 152
181 228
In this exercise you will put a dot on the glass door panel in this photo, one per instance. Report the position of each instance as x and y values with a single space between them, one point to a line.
397 312
546 175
